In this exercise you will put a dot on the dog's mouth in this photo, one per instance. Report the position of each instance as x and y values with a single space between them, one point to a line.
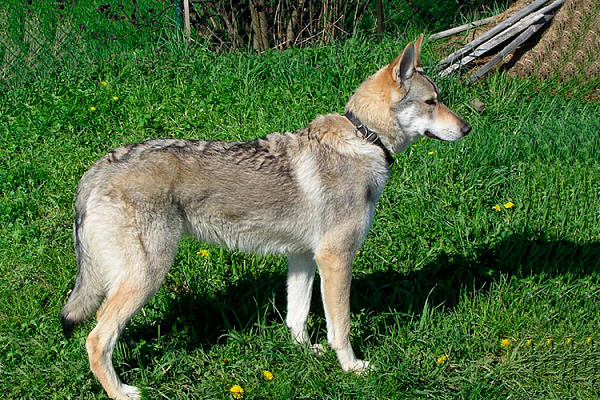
431 135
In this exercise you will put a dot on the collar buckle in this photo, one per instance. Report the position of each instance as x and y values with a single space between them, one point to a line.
370 136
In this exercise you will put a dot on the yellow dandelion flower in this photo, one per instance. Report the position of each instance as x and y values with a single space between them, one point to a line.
505 342
203 253
497 207
442 359
237 392
93 108
510 204
529 342
589 340
569 341
104 83
549 341
268 375
115 98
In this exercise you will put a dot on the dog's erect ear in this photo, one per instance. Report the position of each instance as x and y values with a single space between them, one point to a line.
418 44
403 67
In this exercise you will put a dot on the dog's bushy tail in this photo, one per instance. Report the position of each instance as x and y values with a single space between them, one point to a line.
88 293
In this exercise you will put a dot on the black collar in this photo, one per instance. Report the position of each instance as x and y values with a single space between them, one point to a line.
370 136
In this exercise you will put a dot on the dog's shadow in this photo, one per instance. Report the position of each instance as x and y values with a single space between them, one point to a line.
444 281
261 297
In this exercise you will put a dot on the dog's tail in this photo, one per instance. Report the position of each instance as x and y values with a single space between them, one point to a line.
88 292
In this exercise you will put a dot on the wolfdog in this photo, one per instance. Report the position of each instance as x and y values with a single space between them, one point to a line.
309 195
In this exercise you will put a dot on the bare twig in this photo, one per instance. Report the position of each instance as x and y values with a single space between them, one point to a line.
293 23
316 34
462 28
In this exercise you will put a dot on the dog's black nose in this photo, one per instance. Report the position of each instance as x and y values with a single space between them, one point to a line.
466 129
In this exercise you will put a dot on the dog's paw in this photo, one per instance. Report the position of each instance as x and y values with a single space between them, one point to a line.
361 367
129 393
317 349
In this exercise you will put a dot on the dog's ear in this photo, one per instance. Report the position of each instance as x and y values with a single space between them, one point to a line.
418 44
403 67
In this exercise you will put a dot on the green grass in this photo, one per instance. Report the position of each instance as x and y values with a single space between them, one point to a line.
441 273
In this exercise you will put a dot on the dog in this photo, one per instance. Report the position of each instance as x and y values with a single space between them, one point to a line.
309 194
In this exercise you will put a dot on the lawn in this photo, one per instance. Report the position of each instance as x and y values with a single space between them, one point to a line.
478 279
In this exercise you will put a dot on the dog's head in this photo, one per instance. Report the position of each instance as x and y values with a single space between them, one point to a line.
401 103
421 111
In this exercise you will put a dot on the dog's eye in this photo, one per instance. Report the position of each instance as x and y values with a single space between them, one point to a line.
431 102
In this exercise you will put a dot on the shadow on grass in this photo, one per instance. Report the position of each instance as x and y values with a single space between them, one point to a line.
443 280
197 321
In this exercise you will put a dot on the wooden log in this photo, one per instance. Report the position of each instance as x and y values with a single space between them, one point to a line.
186 20
493 42
379 19
519 40
462 28
495 30
504 35
255 25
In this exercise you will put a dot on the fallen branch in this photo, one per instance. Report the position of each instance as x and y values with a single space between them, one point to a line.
510 48
503 36
492 32
493 42
462 28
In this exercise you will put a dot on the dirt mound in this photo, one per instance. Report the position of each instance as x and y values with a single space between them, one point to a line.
569 47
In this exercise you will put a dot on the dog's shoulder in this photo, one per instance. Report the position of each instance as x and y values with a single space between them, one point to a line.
329 128
334 137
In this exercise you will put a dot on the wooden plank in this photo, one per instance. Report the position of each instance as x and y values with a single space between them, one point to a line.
493 42
495 30
505 35
519 40
462 28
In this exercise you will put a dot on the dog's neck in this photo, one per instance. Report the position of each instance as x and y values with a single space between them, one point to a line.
369 135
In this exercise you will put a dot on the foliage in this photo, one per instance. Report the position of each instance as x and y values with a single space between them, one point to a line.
42 37
436 15
276 23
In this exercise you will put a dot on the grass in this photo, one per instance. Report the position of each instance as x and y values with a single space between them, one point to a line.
441 274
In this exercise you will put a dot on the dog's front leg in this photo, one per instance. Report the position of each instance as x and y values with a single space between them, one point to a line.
335 268
301 274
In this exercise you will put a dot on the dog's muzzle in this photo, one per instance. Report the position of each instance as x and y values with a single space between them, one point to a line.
464 131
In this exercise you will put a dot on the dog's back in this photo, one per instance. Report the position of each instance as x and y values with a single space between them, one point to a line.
271 195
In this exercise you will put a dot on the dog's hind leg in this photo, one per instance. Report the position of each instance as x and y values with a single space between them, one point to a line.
301 274
335 269
143 265
120 307
121 304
